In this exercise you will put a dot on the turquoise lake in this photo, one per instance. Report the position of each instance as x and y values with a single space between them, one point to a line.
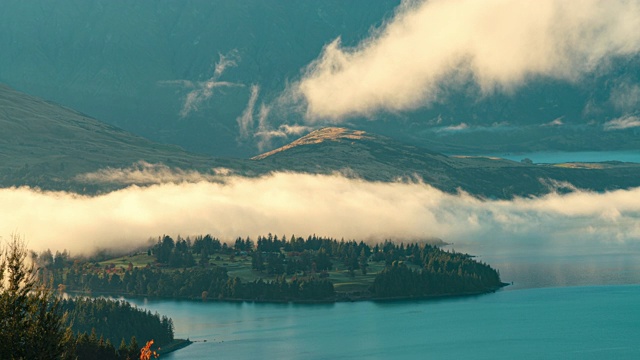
569 299
563 304
578 156
595 322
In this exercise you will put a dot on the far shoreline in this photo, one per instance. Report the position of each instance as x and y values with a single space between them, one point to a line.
175 345
339 298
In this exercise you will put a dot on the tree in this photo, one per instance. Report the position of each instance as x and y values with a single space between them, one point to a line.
363 262
31 323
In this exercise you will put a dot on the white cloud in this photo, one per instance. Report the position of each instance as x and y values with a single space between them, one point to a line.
245 121
626 97
554 123
430 46
143 173
454 128
464 127
301 204
622 123
203 90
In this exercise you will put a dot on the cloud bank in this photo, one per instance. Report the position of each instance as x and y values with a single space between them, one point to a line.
143 173
625 122
431 46
302 204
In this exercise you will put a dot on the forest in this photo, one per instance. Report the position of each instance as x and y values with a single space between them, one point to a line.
38 323
273 268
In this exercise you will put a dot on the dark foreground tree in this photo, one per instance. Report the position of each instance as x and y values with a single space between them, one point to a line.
31 322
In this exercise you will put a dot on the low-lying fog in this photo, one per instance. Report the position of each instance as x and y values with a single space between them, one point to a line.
580 224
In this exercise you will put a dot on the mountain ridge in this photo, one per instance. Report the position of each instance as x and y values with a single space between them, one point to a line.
56 148
135 65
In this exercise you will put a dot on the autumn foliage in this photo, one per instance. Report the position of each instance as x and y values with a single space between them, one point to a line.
146 353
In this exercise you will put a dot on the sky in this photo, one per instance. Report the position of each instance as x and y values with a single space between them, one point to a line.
432 47
418 55
325 205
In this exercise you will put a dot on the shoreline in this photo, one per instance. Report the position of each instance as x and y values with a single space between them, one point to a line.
175 345
338 298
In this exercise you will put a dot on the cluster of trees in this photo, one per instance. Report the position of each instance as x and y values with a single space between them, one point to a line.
90 346
116 321
434 272
31 322
400 281
37 324
211 282
184 270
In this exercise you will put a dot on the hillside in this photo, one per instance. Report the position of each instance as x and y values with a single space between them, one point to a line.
377 158
133 65
51 147
146 56
46 145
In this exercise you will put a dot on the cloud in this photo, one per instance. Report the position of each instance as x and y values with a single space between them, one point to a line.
143 173
329 205
464 127
626 97
554 123
625 122
245 121
266 134
431 47
454 128
203 90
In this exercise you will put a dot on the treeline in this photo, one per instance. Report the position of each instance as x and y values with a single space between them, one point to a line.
37 324
116 321
299 269
199 282
434 272
411 270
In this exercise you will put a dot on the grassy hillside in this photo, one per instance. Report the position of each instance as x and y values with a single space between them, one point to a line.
132 64
48 146
374 157
44 144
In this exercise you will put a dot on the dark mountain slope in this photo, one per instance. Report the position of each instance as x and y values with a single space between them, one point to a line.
46 145
373 157
49 146
133 64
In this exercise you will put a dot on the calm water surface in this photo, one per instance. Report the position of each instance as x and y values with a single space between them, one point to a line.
579 156
596 322
564 304
569 300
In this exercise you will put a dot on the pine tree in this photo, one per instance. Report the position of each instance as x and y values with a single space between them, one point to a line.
32 323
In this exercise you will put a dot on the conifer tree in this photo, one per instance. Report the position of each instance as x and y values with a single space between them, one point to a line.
31 323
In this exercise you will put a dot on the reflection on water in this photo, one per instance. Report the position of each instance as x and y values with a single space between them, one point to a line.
533 265
557 308
593 322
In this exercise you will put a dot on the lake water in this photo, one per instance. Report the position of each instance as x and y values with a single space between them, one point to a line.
568 300
579 156
595 322
564 304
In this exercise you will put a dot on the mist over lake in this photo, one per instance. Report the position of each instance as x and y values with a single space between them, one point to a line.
503 129
566 301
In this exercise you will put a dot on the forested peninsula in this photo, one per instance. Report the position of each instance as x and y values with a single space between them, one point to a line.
274 269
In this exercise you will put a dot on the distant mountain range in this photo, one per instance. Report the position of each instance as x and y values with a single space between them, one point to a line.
53 147
135 64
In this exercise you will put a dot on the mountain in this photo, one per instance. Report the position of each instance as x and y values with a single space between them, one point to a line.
52 147
133 65
44 144
137 65
377 158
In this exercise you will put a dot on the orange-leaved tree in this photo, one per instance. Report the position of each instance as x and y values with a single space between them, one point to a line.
146 353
